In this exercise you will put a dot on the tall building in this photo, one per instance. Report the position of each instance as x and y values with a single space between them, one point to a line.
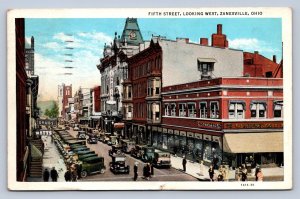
114 69
29 56
64 93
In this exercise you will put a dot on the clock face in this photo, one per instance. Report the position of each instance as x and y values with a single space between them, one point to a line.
132 35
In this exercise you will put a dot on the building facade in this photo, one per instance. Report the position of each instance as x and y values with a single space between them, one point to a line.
113 68
64 93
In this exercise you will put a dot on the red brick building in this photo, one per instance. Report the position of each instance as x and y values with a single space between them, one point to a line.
21 98
97 99
224 119
67 93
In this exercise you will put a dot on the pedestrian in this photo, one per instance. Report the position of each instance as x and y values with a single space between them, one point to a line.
144 172
46 175
201 168
211 173
135 171
54 175
67 175
78 169
244 173
148 171
152 169
238 174
253 165
259 175
184 163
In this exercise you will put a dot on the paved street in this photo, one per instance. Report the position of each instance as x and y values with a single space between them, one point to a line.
101 149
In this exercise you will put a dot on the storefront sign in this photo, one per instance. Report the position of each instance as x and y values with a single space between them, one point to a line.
253 125
207 137
209 125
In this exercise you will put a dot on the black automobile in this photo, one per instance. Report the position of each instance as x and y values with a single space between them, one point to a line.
92 165
92 140
81 135
118 164
115 149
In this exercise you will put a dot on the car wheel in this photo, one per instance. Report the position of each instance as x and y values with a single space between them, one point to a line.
83 174
102 171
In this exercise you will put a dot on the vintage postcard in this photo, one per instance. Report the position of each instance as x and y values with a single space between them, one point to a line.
150 99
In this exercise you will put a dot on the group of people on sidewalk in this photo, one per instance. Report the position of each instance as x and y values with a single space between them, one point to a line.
148 171
73 172
53 174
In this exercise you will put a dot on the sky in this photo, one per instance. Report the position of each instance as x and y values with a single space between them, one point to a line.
90 35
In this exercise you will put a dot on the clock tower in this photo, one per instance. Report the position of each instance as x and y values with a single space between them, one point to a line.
131 33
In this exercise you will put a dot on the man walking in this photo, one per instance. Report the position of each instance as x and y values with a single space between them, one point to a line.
135 171
184 163
54 175
46 175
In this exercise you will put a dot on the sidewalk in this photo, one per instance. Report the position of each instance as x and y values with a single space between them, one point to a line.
51 159
193 169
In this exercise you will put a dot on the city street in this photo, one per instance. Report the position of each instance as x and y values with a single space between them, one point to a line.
101 149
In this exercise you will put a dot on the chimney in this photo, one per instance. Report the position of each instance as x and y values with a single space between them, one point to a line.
204 41
187 40
219 29
274 58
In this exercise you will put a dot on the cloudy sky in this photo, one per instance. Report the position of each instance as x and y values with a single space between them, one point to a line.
88 36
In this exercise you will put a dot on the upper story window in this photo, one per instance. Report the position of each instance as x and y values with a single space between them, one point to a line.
203 110
182 110
278 109
206 66
191 109
236 110
214 110
258 109
153 87
167 110
173 109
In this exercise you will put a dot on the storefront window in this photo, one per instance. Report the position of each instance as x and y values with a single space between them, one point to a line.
176 144
207 156
198 149
155 139
165 141
182 145
190 148
170 142
159 140
278 107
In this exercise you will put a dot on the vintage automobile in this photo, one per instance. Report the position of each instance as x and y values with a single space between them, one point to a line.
92 165
118 164
112 140
115 149
83 148
137 151
147 154
76 128
127 145
92 140
81 157
85 152
81 135
162 159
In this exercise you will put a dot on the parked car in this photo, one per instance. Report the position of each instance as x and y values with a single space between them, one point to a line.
92 165
81 135
147 153
137 151
112 140
162 159
127 145
81 157
118 164
92 140
115 149
76 128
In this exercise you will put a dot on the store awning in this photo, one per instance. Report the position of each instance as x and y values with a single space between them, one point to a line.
119 125
253 142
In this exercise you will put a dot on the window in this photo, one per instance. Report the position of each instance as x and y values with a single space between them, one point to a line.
214 110
236 110
278 109
129 91
182 110
258 110
192 109
205 68
118 81
173 109
203 110
167 113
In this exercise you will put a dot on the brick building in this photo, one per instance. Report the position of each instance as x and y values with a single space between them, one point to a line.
64 93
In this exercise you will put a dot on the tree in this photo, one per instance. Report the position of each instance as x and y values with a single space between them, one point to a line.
53 112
